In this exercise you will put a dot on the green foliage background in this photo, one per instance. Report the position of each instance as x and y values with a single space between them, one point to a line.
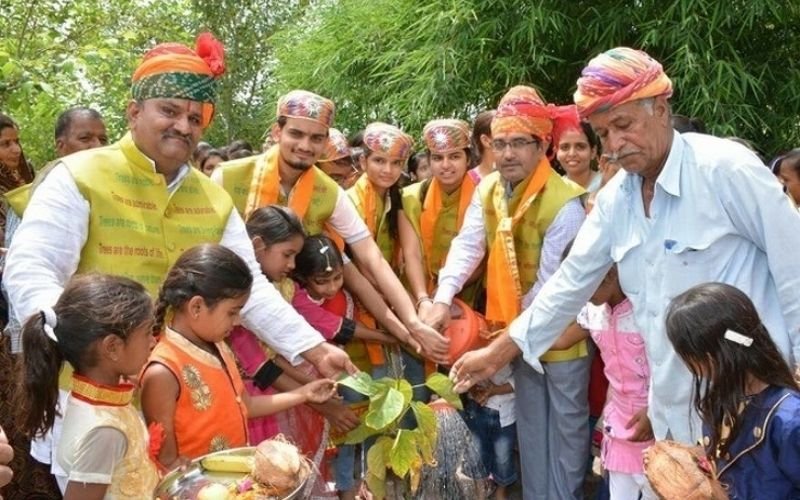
733 63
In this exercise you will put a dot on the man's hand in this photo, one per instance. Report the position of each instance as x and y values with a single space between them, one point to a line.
340 416
435 346
480 364
643 429
437 316
330 360
6 456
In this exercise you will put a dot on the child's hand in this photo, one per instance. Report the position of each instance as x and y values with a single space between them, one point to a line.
643 429
340 416
319 391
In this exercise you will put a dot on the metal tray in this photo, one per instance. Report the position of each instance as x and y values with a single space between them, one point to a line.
185 484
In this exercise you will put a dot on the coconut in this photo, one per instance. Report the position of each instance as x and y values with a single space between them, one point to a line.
680 472
214 491
279 465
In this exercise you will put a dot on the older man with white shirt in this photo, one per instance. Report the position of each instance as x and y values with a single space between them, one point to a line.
686 209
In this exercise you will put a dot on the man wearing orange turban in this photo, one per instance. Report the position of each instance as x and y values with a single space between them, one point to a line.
131 208
684 209
522 217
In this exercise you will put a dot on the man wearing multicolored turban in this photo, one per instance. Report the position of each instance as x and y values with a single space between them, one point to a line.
287 174
131 209
522 217
337 160
685 209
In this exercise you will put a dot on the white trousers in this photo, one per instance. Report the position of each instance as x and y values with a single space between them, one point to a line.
624 486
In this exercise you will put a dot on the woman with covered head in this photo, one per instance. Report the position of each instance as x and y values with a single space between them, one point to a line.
433 210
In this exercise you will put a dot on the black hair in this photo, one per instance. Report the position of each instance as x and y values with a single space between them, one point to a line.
319 256
274 224
481 126
697 321
65 119
238 145
591 138
210 271
791 159
213 152
684 124
413 162
23 167
91 307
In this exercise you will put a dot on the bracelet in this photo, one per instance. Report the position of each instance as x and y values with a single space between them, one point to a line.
422 299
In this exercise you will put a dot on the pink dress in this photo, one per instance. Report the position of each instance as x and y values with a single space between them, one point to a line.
622 349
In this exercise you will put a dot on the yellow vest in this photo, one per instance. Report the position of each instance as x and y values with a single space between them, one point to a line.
382 237
18 198
530 230
137 228
237 175
445 230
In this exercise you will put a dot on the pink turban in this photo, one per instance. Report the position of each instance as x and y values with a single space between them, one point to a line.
618 76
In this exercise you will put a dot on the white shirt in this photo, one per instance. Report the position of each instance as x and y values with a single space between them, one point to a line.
47 247
469 247
717 215
344 219
504 404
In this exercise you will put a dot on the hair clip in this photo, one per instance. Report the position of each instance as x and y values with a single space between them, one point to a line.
324 251
50 323
738 338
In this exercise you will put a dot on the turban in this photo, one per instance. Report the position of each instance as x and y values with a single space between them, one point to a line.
337 147
388 139
308 106
564 118
522 110
174 71
618 76
444 136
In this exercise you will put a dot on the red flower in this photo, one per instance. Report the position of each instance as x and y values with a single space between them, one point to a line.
212 52
157 435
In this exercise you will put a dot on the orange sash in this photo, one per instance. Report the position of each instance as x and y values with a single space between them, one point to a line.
366 194
430 213
503 301
265 189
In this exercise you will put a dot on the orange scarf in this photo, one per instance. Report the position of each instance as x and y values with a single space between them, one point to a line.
503 301
265 189
369 203
431 208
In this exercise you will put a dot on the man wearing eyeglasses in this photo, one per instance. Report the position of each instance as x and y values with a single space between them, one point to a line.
522 216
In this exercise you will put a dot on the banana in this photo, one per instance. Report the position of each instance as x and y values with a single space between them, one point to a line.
229 463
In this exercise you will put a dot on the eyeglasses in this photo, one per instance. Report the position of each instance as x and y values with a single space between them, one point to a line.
517 145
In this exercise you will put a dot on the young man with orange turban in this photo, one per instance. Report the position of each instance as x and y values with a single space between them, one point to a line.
683 210
287 175
523 215
133 207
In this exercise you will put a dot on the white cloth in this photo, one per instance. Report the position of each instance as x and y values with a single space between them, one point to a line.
504 403
344 219
468 249
623 486
46 252
717 215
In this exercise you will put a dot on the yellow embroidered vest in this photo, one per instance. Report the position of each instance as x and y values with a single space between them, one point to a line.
382 237
18 198
530 230
446 229
237 176
137 228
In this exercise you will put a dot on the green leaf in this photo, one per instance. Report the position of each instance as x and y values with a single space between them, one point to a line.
376 457
405 388
428 431
359 434
385 410
377 486
443 386
361 382
404 452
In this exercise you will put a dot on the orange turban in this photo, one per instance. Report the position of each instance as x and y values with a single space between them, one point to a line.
174 71
308 106
388 139
522 110
618 76
337 147
444 136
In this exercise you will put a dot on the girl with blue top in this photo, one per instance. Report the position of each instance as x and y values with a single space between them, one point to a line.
744 391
